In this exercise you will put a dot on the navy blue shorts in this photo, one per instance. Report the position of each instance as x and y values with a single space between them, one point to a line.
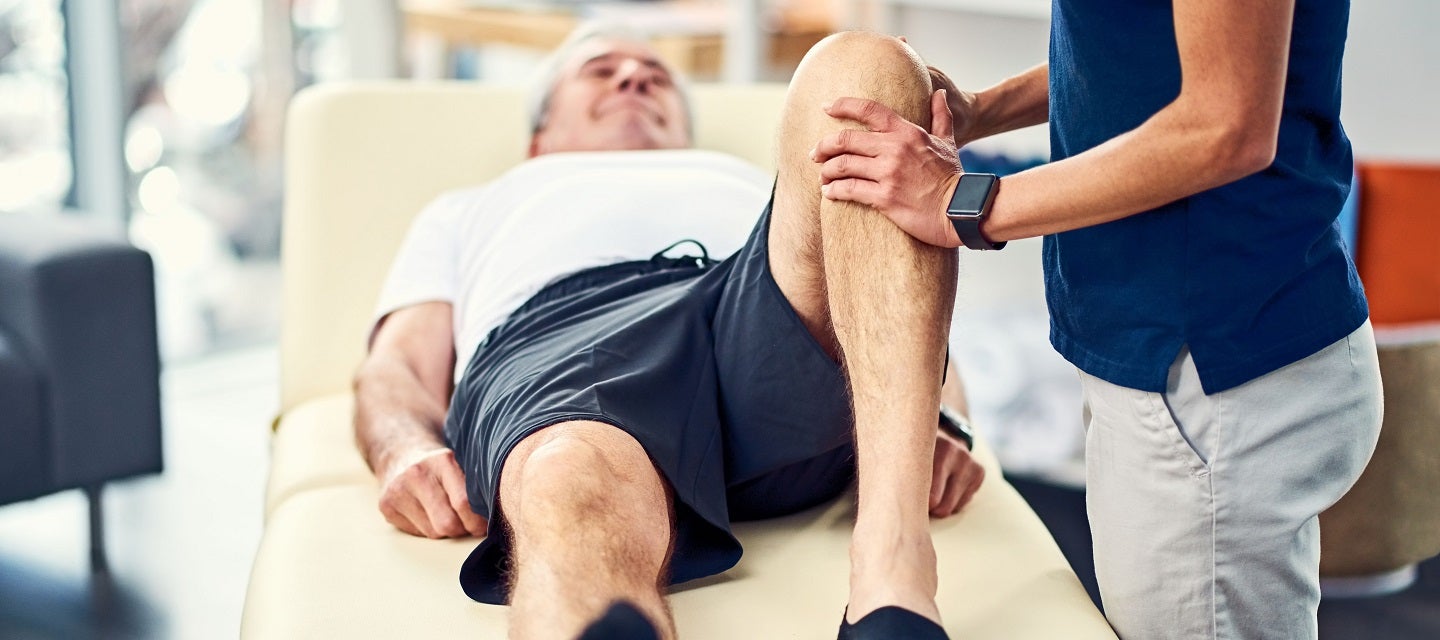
704 363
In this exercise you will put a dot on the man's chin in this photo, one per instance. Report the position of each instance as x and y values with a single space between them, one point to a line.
638 141
642 145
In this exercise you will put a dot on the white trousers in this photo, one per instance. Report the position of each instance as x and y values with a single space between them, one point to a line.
1205 509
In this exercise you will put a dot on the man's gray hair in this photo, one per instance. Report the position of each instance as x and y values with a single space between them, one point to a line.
547 77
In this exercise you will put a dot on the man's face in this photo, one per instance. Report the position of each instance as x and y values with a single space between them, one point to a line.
613 95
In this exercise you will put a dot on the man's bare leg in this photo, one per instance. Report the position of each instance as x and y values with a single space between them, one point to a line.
591 522
882 301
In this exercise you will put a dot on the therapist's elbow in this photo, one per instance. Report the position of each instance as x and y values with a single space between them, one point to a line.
1256 152
1245 147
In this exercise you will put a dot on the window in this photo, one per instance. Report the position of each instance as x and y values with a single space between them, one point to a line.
35 156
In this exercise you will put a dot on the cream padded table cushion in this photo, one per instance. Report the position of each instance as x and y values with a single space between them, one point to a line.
314 446
361 160
329 564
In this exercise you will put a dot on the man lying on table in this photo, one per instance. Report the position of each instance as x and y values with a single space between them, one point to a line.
542 369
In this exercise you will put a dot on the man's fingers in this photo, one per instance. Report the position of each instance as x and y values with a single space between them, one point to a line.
404 511
475 524
848 142
453 481
417 501
939 478
941 124
443 520
954 494
872 114
968 485
397 520
973 486
954 489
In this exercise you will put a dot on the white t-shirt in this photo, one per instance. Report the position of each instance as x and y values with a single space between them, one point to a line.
488 249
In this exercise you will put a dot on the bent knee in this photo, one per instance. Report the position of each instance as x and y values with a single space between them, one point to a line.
598 482
868 46
586 467
868 55
859 64
565 467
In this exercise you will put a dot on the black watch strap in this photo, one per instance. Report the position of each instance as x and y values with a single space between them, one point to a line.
956 425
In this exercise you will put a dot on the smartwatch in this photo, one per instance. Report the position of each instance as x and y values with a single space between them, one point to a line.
969 205
956 425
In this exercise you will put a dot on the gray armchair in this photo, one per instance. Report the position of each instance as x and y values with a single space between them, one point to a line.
79 363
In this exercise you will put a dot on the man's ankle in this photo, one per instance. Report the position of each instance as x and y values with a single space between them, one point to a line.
902 569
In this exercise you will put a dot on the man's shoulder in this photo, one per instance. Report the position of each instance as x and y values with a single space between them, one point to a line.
453 203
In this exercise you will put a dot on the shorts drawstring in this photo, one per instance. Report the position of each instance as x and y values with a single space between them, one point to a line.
701 261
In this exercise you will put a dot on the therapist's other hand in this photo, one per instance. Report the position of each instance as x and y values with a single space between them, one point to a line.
962 107
893 165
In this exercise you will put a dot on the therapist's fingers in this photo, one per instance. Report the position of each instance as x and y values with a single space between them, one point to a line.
854 190
885 158
941 123
848 141
872 114
849 166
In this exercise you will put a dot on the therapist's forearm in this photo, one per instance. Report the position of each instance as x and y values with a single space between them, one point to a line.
1020 101
1182 150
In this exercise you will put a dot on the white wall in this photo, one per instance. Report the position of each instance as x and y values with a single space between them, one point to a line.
1391 100
978 46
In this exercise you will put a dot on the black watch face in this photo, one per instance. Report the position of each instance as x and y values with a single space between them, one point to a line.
970 194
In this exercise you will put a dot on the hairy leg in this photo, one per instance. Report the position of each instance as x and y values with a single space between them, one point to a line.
881 301
591 522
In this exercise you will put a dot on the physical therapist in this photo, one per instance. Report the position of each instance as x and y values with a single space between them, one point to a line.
1195 276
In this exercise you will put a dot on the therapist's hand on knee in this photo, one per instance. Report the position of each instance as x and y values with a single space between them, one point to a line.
893 165
962 107
423 494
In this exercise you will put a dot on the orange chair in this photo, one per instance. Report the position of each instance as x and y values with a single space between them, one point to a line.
1390 520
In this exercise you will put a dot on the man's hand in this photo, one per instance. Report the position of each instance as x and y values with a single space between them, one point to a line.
904 171
956 477
423 494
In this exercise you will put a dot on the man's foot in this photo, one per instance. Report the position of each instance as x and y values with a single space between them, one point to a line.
622 621
892 622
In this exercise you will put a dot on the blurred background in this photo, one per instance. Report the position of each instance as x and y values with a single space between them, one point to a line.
162 122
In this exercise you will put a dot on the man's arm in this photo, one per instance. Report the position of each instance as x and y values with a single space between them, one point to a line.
402 390
1223 126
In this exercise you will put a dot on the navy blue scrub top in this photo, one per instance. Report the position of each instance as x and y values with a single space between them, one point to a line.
1251 275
